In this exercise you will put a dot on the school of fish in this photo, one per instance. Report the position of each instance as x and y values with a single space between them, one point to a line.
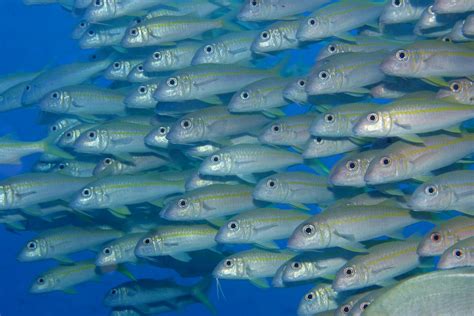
287 143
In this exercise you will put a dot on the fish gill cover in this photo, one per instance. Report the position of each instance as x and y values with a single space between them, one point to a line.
257 157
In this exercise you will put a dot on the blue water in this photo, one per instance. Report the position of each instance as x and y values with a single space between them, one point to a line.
34 38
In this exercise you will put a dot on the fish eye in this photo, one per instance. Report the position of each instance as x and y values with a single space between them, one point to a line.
276 128
98 2
140 68
296 265
323 75
397 3
40 281
319 140
117 65
215 158
402 55
54 128
244 95
32 245
309 296
431 190
436 237
92 135
208 49
186 124
308 229
345 309
107 251
271 183
233 225
28 88
133 32
82 24
55 95
363 306
86 193
446 39
386 161
329 118
372 117
182 203
264 35
349 271
91 32
312 22
61 166
142 89
229 263
302 83
351 165
172 82
254 3
138 20
163 130
147 241
108 161
331 48
455 87
157 55
68 134
458 253
113 291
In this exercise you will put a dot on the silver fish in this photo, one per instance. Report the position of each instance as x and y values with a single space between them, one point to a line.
118 251
461 254
265 10
288 131
137 164
321 298
276 37
460 90
174 58
318 147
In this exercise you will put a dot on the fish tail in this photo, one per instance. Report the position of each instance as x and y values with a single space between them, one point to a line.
198 291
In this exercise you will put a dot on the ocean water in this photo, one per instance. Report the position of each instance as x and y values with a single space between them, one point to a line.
34 38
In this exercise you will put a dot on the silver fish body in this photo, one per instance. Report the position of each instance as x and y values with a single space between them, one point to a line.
267 10
138 163
288 131
277 37
172 59
118 251
461 254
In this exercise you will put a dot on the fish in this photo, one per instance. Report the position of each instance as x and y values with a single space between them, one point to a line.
120 250
267 10
351 170
104 10
319 299
448 191
12 150
398 87
460 91
75 168
261 95
84 100
468 28
168 29
210 202
457 6
158 137
173 58
142 96
339 121
410 297
150 291
63 76
261 227
197 181
138 75
429 58
410 115
294 188
213 123
458 255
101 35
176 241
345 226
296 91
29 189
361 305
202 82
288 131
11 98
64 278
348 73
403 11
402 160
120 69
11 80
382 263
114 192
57 243
278 36
318 147
71 133
348 304
254 265
245 159
445 235
337 18
229 48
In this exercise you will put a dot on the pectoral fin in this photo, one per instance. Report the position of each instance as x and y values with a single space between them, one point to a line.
182 257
